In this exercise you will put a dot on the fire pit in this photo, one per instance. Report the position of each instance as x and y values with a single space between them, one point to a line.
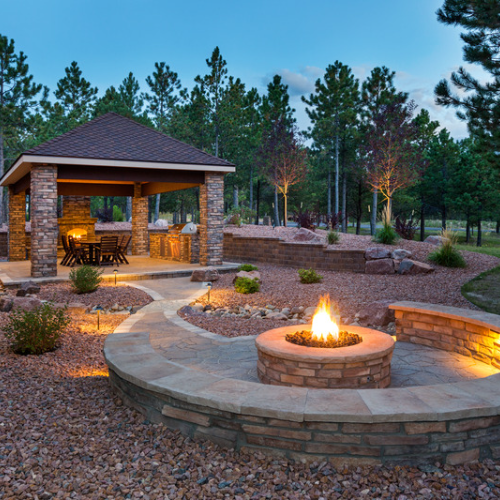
365 364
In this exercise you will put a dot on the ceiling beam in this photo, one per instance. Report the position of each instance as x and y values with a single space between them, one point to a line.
86 189
164 187
23 184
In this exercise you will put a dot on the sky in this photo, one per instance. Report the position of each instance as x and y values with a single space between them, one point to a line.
258 39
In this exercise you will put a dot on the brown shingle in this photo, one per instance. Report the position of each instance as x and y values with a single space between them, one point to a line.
114 137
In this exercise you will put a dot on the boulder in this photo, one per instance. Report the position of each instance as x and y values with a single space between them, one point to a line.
304 234
189 311
276 315
376 314
161 223
209 274
253 275
400 254
26 303
436 240
374 253
408 266
297 310
6 303
28 287
310 311
379 266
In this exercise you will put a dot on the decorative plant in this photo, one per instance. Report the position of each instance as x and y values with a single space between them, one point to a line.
405 229
447 255
309 276
37 331
305 220
247 268
85 279
332 237
386 234
246 285
333 221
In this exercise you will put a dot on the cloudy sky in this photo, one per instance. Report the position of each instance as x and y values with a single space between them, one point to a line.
258 38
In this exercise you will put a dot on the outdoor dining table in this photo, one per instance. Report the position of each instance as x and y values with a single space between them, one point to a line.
93 255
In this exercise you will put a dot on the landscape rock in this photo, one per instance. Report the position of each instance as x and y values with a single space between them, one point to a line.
297 310
25 303
304 234
161 223
379 266
376 314
408 266
28 287
309 311
189 311
276 315
374 253
198 308
436 240
209 274
6 303
253 275
400 254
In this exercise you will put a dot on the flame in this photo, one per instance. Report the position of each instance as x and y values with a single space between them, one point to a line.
323 324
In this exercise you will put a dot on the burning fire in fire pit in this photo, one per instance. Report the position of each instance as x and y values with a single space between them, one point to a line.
325 331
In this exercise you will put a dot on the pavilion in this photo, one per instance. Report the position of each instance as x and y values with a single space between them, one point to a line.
109 156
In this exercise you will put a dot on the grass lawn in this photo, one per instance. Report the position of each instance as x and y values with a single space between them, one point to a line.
484 291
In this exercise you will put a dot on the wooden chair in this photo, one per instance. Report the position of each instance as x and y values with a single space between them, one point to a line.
78 253
108 252
123 247
67 251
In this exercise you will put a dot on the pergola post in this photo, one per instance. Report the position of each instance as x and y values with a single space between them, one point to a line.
211 219
17 225
44 230
139 221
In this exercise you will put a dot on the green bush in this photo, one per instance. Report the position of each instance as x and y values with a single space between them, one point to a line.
309 276
36 331
447 255
332 237
387 234
118 214
85 279
247 268
246 285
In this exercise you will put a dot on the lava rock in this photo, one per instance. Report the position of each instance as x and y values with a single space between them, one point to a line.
374 253
379 266
408 266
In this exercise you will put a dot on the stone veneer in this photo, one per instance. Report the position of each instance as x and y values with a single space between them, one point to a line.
76 214
447 423
211 219
44 229
17 226
189 247
366 365
140 210
283 253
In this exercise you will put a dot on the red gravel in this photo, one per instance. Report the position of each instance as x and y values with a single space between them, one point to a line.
63 435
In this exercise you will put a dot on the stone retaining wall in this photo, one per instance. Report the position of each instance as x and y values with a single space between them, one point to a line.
278 252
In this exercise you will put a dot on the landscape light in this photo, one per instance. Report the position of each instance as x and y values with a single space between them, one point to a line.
116 272
209 286
99 309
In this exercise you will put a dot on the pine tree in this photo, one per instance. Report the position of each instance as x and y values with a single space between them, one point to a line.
17 98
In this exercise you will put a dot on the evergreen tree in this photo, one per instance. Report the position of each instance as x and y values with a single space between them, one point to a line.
17 98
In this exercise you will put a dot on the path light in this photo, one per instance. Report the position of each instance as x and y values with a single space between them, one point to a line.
99 309
116 272
209 286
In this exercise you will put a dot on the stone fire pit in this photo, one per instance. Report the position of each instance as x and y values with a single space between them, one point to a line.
365 365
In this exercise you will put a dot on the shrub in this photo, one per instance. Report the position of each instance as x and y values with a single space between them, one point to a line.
309 276
85 279
118 214
105 214
247 268
447 255
246 285
36 331
386 234
234 219
305 220
332 237
333 221
405 229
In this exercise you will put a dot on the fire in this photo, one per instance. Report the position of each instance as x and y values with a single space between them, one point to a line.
323 324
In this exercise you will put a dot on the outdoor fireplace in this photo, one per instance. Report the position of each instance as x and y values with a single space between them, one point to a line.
325 355
78 233
76 220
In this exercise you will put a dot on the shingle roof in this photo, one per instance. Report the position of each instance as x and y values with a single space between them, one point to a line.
114 137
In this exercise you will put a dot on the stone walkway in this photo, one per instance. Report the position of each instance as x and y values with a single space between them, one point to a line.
190 346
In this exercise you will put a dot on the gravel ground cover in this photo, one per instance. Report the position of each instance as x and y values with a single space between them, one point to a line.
349 291
63 434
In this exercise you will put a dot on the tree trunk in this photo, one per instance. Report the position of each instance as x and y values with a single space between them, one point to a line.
3 218
257 215
467 231
329 194
344 201
183 213
443 218
422 221
276 208
250 191
128 209
285 209
373 222
479 241
157 207
336 174
359 211
235 196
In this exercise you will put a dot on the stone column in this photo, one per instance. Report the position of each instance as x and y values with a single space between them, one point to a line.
211 219
17 225
44 230
139 221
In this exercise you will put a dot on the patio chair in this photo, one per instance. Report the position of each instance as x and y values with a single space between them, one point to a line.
67 251
123 247
108 251
78 253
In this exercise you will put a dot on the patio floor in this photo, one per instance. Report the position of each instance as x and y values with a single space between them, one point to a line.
140 268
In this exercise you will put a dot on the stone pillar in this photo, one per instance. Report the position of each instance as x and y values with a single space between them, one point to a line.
139 221
17 225
211 219
44 230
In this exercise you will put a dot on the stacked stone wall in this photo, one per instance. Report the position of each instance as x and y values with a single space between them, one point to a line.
17 226
76 214
189 247
139 222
